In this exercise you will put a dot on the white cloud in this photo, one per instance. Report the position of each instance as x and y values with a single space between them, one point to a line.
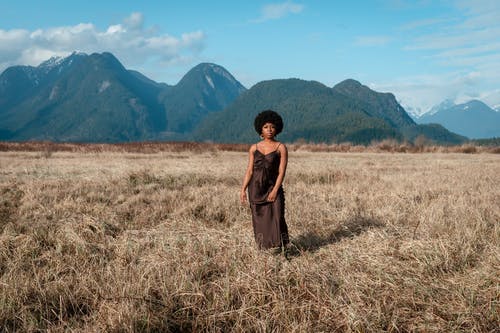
430 22
37 55
425 91
480 12
133 44
279 10
193 40
455 36
12 37
464 49
134 21
469 50
114 29
475 31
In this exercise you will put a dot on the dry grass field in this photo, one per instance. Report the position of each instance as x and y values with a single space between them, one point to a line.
156 241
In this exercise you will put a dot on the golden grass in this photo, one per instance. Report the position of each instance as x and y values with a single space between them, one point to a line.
118 240
47 148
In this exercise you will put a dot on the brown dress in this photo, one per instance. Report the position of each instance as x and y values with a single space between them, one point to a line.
268 218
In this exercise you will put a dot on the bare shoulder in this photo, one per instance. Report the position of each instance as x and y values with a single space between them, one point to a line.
282 148
252 148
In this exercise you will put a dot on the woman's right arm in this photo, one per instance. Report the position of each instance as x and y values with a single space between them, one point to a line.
248 175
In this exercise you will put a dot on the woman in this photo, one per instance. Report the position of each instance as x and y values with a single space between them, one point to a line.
267 161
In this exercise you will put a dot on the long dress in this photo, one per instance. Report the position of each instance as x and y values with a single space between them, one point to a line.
268 218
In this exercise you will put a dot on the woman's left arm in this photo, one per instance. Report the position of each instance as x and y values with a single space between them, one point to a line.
281 175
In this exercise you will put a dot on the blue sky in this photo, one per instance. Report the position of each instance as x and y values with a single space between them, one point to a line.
422 51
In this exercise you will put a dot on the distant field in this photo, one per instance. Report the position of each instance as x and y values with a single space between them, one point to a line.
105 239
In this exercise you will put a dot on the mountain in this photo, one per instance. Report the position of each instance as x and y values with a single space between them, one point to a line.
432 132
444 105
82 98
19 82
205 88
314 112
147 80
379 105
93 98
311 111
413 112
473 119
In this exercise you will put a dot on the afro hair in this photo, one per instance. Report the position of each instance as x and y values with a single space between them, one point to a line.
268 116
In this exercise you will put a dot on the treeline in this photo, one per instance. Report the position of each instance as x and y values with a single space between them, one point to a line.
491 142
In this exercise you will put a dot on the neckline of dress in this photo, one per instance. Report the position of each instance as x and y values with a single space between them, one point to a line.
275 150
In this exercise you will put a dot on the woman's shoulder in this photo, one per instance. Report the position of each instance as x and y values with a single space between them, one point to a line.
253 148
281 147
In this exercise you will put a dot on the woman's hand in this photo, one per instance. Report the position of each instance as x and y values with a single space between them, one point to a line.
272 196
243 197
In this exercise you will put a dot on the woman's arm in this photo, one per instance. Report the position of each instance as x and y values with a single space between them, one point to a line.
281 175
248 175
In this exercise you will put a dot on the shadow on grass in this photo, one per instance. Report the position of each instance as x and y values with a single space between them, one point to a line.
312 241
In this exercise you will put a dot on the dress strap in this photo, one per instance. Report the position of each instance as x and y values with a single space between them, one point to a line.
257 148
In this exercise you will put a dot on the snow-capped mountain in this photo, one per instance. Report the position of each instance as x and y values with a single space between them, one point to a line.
444 105
413 112
60 63
95 98
473 119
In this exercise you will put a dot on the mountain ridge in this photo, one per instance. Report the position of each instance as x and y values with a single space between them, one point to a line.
316 113
205 88
94 98
383 101
90 98
473 119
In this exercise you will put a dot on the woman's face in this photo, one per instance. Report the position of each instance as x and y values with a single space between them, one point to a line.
268 131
